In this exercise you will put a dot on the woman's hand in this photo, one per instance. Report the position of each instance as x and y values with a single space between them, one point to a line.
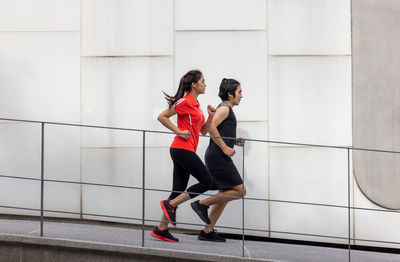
228 151
211 111
239 142
185 134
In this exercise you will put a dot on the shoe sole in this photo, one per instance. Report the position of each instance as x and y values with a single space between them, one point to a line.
198 212
163 238
210 240
166 213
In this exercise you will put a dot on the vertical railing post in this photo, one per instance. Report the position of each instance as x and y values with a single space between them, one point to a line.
143 184
243 203
42 180
348 202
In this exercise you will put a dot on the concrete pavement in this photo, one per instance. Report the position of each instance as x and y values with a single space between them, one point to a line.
115 238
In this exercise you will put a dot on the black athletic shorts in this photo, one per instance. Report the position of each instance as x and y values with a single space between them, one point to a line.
225 174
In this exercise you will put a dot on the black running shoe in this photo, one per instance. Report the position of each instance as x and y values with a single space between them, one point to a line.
211 236
201 210
169 211
163 235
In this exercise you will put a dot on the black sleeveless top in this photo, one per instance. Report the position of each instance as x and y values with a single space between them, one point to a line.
215 157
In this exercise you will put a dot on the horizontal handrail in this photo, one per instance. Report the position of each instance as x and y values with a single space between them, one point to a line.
168 132
204 194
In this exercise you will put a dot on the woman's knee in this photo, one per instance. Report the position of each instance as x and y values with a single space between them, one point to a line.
244 191
241 191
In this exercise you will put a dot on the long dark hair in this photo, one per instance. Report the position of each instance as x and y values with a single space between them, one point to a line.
184 86
227 86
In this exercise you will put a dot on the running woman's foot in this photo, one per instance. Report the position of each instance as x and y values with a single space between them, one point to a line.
163 235
169 211
211 236
201 210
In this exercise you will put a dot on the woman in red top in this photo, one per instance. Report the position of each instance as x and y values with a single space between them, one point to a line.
191 123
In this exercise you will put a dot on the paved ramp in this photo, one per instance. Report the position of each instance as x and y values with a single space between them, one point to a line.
20 241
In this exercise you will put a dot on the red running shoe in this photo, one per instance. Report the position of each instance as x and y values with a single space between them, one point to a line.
163 235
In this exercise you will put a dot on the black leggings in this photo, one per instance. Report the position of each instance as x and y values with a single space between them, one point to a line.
188 163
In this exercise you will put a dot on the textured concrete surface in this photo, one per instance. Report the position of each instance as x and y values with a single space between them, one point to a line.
376 98
32 248
20 241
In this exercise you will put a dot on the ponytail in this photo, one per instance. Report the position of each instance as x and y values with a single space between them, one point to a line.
184 86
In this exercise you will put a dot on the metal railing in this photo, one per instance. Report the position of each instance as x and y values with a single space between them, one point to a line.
143 188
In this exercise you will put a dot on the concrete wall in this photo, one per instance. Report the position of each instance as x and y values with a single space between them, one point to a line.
376 113
309 102
376 97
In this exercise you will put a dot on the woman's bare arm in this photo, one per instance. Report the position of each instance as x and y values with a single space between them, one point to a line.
164 119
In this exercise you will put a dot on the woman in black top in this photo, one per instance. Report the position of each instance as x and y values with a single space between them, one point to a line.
218 160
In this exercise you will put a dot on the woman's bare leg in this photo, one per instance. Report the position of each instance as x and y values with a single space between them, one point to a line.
163 225
235 192
215 213
183 197
219 202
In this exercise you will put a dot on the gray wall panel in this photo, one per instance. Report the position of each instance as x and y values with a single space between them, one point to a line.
376 96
